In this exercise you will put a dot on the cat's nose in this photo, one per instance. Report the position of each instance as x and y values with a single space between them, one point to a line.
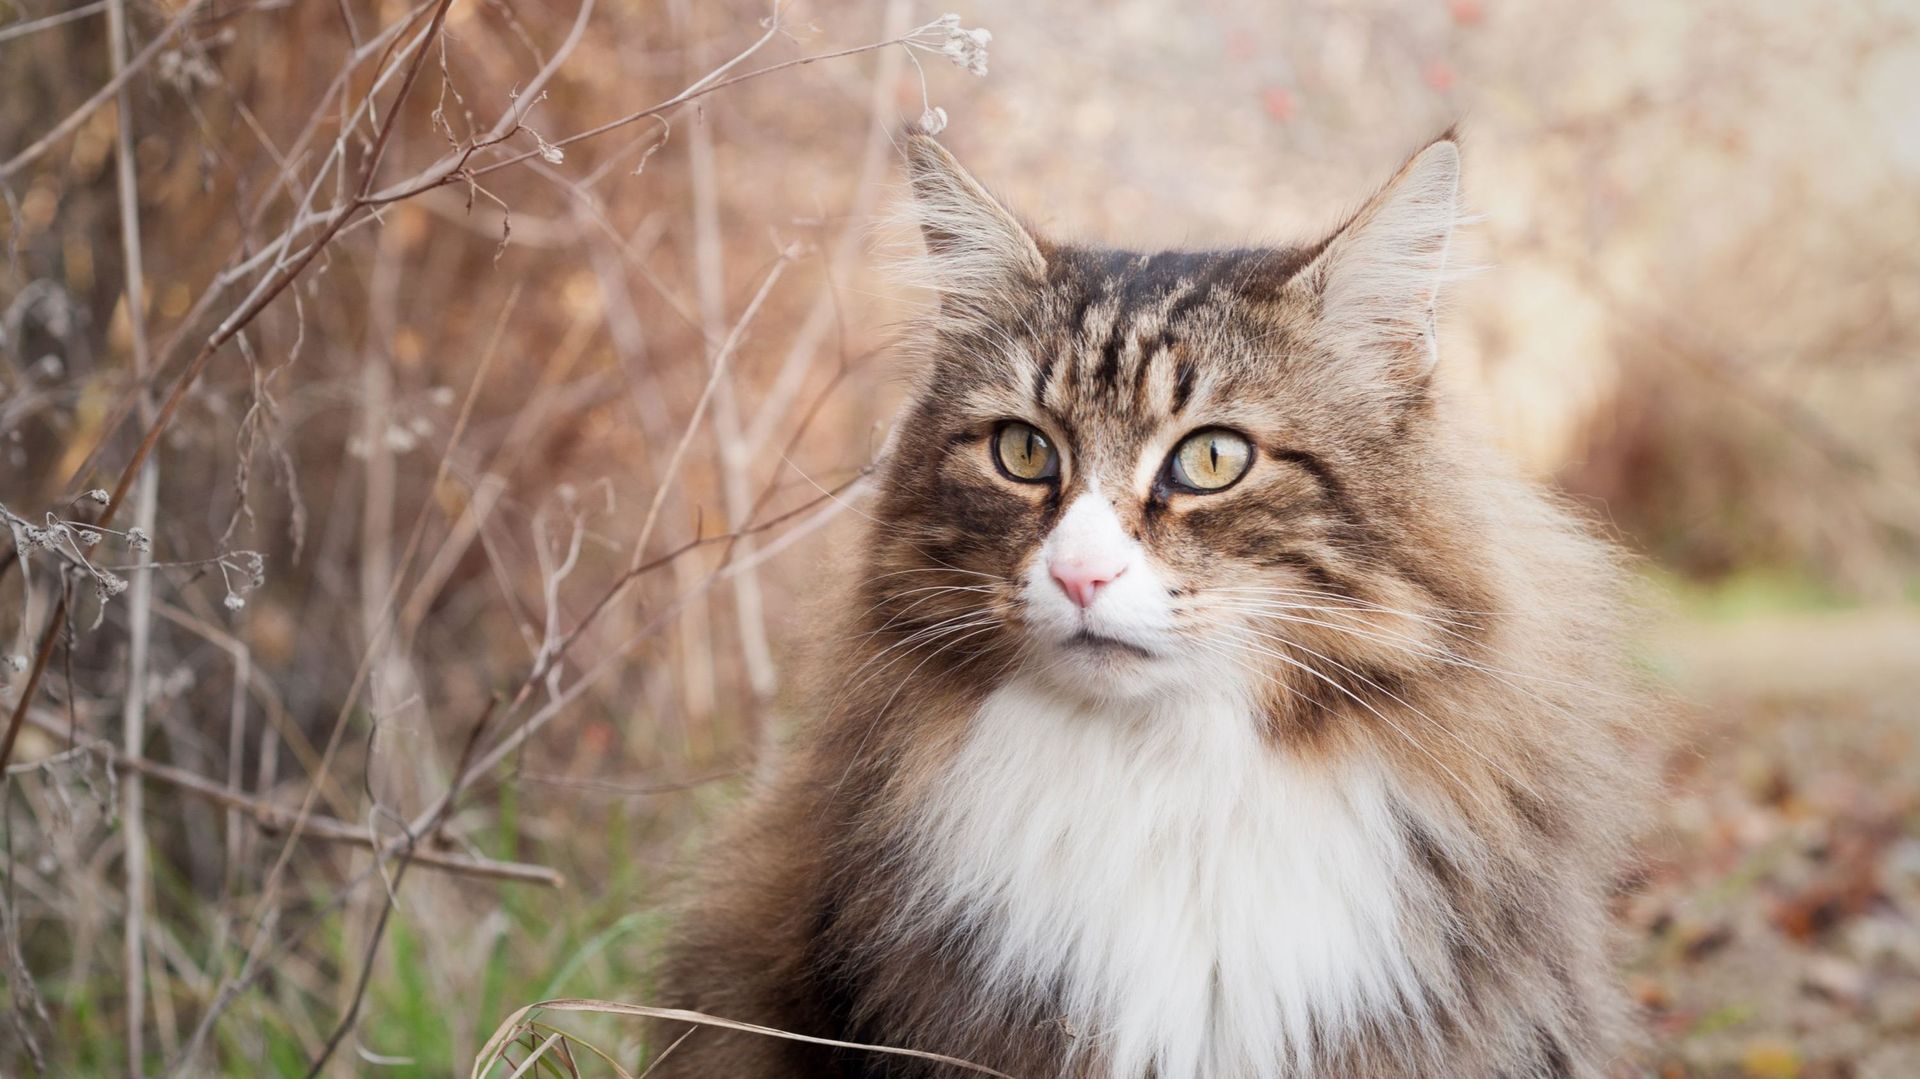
1081 578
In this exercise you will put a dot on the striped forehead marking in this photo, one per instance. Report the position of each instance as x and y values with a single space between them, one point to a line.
1117 329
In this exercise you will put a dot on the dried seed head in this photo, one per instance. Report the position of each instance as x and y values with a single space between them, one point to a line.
253 566
100 495
234 602
966 48
138 539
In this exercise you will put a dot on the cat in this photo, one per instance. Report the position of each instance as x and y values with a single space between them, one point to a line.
1213 703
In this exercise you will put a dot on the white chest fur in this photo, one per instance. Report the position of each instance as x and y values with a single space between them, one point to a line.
1201 901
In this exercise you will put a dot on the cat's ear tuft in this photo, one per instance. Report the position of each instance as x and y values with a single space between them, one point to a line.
974 245
1377 280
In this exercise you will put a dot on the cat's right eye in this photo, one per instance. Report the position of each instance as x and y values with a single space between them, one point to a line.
1024 454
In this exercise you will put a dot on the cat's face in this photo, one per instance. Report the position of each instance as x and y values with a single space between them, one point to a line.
1132 473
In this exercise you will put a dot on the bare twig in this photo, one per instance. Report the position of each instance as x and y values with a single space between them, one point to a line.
383 627
508 1030
140 603
34 26
232 325
275 820
717 372
316 205
729 443
610 789
455 168
101 96
821 508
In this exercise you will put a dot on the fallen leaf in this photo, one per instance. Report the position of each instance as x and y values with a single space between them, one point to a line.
1770 1058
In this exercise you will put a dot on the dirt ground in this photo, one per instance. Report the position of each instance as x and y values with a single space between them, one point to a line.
1778 932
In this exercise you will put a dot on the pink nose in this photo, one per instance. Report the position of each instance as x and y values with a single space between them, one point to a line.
1081 578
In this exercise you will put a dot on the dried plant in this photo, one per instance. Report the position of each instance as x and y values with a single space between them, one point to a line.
461 524
417 420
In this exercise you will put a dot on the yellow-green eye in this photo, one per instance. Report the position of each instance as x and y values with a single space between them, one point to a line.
1211 460
1024 454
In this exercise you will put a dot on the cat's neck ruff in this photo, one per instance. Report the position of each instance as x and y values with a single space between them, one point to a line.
1200 903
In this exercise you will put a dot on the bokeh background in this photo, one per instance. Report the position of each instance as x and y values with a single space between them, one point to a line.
483 544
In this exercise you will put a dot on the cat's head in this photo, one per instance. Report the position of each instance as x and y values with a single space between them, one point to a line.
1126 472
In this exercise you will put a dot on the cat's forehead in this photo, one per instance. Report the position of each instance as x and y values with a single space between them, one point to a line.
1125 343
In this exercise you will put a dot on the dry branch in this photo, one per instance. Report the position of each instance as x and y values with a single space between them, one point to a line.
268 268
509 1030
277 820
101 96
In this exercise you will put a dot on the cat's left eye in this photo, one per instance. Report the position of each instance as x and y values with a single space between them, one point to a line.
1210 460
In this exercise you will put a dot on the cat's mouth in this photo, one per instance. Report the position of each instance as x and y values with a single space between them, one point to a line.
1096 643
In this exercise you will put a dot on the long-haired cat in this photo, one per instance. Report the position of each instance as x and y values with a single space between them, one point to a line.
1213 703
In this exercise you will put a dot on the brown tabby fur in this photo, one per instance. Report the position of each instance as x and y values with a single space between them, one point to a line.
1506 722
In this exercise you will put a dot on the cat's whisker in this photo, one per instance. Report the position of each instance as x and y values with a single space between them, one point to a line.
911 643
1497 768
1406 735
942 568
880 714
1354 601
933 588
1349 604
964 620
877 665
1500 673
1344 605
1222 652
1410 644
1403 642
1424 651
1349 607
936 592
1406 645
1430 649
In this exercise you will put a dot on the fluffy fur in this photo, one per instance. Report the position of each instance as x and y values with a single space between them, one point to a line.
1158 866
1331 777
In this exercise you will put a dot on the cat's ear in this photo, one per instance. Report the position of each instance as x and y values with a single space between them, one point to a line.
1376 282
975 247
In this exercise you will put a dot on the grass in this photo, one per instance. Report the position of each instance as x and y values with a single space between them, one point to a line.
1761 591
593 940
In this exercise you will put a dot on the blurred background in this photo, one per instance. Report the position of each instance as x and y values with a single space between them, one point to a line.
503 376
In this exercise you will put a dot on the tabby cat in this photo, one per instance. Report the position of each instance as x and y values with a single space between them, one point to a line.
1212 703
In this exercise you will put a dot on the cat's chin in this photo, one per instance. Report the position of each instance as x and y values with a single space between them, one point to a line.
1094 669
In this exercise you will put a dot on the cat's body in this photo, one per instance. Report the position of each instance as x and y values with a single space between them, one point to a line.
1293 750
